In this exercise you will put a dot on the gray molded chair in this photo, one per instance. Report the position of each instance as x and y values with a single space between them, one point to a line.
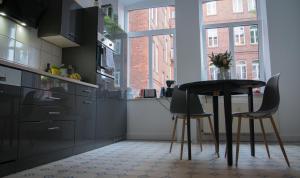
178 110
270 104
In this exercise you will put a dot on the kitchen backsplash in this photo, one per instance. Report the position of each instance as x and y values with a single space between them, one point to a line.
22 45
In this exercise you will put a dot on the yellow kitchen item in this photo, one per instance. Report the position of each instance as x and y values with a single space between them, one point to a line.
55 71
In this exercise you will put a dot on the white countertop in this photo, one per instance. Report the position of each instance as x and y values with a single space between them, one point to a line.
29 69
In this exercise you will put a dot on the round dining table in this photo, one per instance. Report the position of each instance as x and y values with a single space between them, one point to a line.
226 88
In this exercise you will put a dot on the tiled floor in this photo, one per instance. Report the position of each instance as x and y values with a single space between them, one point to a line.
152 159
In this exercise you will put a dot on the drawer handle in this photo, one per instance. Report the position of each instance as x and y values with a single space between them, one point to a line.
54 113
87 102
2 79
54 128
53 98
86 91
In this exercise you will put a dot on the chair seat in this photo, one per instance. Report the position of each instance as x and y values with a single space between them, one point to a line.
181 115
253 115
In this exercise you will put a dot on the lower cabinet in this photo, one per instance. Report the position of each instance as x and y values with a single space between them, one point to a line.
43 137
86 121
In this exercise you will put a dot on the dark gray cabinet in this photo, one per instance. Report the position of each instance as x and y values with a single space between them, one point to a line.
86 121
9 109
61 23
42 137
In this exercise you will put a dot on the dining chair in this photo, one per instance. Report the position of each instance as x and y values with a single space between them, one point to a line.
269 106
178 110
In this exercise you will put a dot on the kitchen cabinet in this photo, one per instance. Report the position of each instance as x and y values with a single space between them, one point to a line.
61 23
42 137
85 123
9 104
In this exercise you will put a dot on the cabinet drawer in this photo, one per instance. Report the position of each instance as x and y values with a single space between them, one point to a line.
45 113
45 98
43 137
86 91
32 80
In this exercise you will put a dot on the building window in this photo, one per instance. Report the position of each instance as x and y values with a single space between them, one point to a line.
166 51
255 70
155 57
241 70
237 6
212 35
251 5
211 8
153 16
239 36
253 35
213 73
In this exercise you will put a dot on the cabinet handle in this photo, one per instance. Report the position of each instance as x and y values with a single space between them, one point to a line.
2 79
86 91
87 102
54 128
53 98
54 113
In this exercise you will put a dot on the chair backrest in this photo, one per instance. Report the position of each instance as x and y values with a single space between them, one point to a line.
178 103
271 98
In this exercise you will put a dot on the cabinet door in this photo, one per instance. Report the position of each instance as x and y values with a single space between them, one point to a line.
85 123
46 136
71 20
9 108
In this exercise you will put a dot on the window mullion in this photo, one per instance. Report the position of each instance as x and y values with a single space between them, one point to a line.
231 49
150 58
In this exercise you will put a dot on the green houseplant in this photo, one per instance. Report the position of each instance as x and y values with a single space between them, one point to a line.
222 61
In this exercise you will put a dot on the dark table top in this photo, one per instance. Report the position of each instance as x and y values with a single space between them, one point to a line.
211 87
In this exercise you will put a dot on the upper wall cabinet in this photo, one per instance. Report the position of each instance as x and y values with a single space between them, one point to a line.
61 23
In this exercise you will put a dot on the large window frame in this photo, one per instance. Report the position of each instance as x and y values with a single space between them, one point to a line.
230 26
150 34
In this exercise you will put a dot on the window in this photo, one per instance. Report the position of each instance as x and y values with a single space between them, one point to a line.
211 8
251 5
155 57
150 62
255 70
234 33
213 73
241 70
253 35
237 6
117 79
239 36
212 38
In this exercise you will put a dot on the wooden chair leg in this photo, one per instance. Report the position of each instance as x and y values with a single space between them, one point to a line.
173 134
238 141
182 138
265 138
213 134
199 134
280 141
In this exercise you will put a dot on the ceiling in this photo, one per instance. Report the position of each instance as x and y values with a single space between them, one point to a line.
129 2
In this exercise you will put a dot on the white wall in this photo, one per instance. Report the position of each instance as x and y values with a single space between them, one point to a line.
188 41
22 45
284 28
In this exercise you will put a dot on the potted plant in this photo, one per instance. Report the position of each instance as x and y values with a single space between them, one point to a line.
222 61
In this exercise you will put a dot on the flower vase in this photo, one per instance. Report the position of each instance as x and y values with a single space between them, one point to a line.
223 74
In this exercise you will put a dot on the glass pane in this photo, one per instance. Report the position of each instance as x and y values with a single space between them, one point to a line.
138 65
21 53
162 60
247 54
225 11
151 19
217 41
7 47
